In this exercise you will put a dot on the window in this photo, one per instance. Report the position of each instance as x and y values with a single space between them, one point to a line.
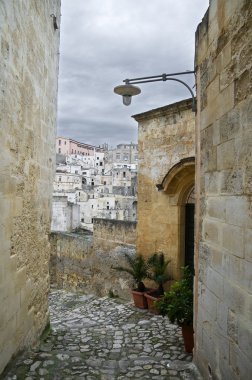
92 206
79 193
104 183
65 142
59 179
59 150
97 158
82 220
59 142
76 171
108 207
124 174
101 163
92 220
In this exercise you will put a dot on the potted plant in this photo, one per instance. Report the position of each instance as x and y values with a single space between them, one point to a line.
177 304
138 269
158 266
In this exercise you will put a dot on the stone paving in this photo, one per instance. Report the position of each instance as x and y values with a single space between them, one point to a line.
106 339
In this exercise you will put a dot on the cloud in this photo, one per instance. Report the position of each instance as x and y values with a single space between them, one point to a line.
106 41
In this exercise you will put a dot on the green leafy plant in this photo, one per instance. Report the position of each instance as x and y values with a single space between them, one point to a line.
177 304
137 268
158 265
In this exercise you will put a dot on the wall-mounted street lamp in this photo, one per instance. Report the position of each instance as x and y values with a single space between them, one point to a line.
128 89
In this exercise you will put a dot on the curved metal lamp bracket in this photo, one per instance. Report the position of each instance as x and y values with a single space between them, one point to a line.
157 78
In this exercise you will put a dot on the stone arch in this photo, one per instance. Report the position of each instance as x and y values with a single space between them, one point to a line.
179 184
179 180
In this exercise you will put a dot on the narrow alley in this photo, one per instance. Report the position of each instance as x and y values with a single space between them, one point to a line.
102 338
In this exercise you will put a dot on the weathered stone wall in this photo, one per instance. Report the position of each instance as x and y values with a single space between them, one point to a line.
224 171
28 96
165 137
84 262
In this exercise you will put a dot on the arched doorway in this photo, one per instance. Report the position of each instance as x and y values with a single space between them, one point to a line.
178 184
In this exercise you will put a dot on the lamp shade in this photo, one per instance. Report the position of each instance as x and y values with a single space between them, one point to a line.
127 90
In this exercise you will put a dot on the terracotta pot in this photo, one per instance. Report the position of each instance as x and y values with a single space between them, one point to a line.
187 332
139 299
151 298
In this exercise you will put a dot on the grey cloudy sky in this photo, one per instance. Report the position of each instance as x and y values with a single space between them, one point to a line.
106 41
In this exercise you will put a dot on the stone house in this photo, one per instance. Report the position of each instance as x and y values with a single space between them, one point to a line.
29 43
223 246
222 189
166 182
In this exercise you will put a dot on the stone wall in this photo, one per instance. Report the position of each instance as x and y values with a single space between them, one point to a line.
165 137
65 215
28 97
84 262
223 310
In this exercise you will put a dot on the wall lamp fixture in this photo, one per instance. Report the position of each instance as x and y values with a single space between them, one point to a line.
128 89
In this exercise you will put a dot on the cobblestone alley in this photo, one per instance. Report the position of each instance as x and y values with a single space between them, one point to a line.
103 338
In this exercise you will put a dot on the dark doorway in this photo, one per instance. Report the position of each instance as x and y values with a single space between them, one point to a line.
189 235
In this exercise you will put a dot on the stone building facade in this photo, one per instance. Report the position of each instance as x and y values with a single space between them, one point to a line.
223 308
29 44
165 180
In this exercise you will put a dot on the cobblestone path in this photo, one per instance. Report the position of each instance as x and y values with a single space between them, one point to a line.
102 338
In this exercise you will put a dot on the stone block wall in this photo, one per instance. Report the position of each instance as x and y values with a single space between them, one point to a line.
166 136
223 309
84 262
28 102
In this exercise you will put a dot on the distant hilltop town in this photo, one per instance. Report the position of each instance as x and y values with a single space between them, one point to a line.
93 182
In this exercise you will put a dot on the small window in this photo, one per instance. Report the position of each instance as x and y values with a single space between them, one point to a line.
59 179
101 163
59 142
97 158
92 206
82 220
124 174
107 207
79 193
59 150
65 142
76 171
104 183
92 220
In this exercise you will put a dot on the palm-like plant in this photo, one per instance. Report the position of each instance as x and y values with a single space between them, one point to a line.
158 265
178 302
138 269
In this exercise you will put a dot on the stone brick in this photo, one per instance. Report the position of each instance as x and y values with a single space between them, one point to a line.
212 230
216 208
248 244
225 155
244 336
233 240
240 362
236 211
235 297
231 181
214 282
